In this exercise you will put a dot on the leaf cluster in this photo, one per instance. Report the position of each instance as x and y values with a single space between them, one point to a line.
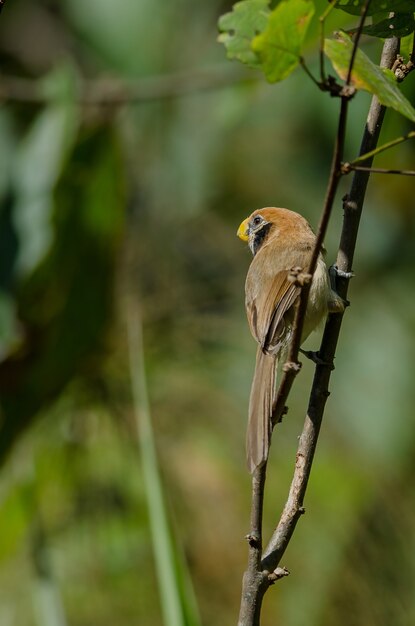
272 40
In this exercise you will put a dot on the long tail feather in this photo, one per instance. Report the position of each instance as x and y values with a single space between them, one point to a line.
260 410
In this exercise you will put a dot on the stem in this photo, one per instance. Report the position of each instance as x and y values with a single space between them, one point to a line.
309 74
385 146
353 202
356 41
378 170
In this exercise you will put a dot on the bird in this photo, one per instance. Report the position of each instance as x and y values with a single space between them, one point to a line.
281 241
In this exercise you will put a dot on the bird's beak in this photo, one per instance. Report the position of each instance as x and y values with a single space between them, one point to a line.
243 230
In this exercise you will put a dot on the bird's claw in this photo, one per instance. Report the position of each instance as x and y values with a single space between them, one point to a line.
335 271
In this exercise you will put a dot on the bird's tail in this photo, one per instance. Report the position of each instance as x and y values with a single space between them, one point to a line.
260 410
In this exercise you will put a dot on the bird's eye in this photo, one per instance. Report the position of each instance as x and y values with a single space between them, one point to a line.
257 220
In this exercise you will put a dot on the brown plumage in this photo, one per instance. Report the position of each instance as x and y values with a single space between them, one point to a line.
280 240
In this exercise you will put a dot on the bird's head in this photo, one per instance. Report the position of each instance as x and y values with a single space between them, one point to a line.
255 229
263 225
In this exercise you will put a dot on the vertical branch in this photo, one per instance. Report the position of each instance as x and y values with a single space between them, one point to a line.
259 576
255 581
352 204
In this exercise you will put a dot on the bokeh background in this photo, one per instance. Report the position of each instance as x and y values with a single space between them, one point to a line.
130 150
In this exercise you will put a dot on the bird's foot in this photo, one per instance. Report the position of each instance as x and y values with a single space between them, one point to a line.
338 304
336 271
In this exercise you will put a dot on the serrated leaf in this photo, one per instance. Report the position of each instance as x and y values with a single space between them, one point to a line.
366 75
279 45
355 7
399 25
239 27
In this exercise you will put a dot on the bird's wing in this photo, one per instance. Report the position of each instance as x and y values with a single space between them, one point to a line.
284 300
266 312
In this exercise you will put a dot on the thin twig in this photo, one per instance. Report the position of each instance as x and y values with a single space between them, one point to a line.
383 147
356 41
348 167
308 72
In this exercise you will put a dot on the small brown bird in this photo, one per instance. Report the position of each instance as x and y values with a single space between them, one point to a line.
280 240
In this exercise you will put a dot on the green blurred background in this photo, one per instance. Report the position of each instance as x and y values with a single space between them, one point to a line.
121 216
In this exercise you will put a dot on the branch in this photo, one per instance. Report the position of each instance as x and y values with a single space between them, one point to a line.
102 92
352 204
255 581
348 167
258 577
385 146
2 3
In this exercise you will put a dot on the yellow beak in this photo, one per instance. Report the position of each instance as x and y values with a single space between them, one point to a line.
243 230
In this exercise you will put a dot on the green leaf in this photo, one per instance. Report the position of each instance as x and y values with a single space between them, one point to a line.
279 46
366 75
399 25
407 44
355 7
239 27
